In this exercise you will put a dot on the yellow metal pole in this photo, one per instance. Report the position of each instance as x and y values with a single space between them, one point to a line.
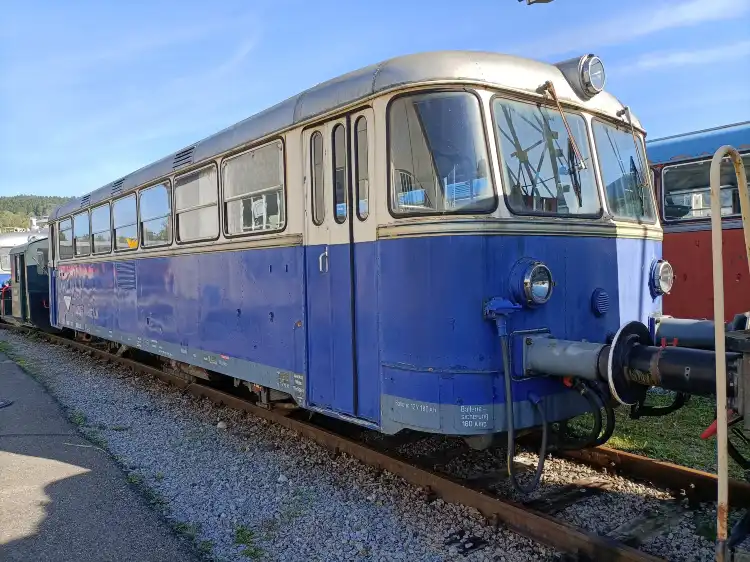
721 363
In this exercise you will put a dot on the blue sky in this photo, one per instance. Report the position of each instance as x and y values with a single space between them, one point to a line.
91 90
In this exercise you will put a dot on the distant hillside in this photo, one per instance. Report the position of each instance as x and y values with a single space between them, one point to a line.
16 210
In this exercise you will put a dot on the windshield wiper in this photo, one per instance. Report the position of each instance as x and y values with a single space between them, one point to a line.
575 173
643 166
548 86
639 183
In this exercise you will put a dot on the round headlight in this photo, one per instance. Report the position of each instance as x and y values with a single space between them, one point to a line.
537 284
662 277
593 77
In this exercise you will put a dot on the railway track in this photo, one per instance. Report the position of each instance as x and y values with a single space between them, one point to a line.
537 518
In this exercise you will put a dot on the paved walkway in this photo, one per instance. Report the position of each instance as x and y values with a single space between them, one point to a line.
62 499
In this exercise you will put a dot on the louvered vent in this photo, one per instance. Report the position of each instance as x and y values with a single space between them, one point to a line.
125 275
183 158
85 201
117 187
600 302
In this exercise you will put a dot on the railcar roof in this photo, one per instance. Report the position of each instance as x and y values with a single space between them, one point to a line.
21 248
697 144
494 69
12 239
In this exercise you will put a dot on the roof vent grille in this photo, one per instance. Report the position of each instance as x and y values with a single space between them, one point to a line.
183 158
85 201
117 186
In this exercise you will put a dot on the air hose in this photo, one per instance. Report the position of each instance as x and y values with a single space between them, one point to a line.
609 429
537 402
596 409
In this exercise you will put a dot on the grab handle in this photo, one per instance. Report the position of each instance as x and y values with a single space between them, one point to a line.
323 261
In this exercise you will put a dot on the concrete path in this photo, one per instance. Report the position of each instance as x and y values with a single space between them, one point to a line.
63 499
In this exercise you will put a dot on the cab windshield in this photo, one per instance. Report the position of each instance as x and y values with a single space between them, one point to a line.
541 170
624 173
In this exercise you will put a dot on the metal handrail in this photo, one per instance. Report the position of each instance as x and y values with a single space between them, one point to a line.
722 509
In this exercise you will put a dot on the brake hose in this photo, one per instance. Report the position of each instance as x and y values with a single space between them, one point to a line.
596 410
537 402
609 429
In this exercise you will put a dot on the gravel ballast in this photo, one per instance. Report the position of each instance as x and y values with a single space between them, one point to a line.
225 477
248 489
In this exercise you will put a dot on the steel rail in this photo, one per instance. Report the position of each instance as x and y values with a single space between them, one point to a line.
530 523
695 484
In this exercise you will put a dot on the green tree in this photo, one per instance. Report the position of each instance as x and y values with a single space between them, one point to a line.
16 210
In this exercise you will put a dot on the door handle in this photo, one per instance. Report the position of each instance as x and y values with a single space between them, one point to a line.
323 261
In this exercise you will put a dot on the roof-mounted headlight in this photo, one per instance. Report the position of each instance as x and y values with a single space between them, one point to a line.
585 74
593 77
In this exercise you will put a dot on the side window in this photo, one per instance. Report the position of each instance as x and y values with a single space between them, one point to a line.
254 190
42 257
18 268
686 190
65 229
624 171
438 155
125 221
81 234
361 169
318 181
100 229
340 187
196 202
52 240
156 215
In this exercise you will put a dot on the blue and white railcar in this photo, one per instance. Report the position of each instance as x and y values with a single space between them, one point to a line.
357 247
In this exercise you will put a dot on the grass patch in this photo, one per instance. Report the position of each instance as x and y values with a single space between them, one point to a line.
134 478
78 418
155 498
97 439
205 547
295 506
189 530
8 350
246 537
674 437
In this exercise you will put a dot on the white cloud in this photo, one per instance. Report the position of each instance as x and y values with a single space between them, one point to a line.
695 57
629 24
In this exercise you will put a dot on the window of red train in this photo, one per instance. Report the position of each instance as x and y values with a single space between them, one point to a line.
687 191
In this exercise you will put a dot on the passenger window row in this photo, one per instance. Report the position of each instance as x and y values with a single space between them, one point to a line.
254 202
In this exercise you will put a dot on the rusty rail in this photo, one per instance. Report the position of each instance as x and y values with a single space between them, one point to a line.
695 484
527 522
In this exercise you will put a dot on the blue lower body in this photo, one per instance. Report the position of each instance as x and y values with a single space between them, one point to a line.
390 335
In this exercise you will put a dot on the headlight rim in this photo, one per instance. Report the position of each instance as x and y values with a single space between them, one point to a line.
656 281
528 288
